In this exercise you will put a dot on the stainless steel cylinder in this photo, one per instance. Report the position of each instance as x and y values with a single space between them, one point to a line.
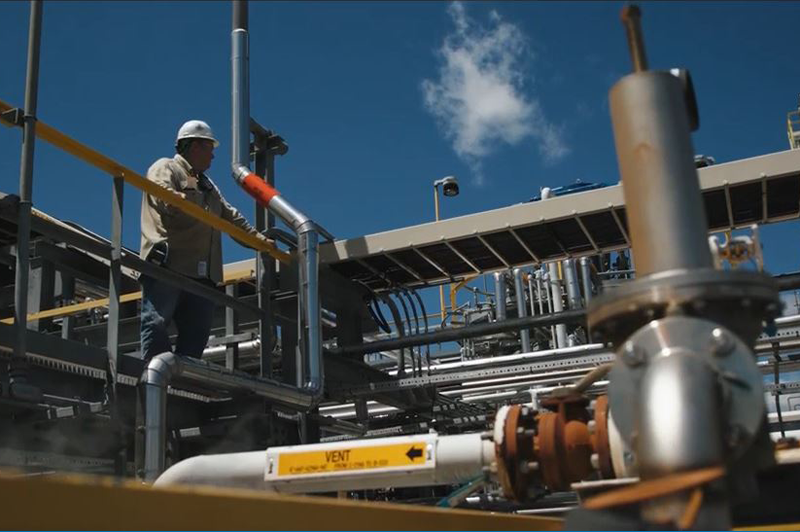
586 279
524 334
500 296
310 330
678 415
571 280
666 217
240 100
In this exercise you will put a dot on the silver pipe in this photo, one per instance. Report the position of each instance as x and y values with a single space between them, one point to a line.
531 295
679 424
571 278
19 386
659 179
524 334
309 325
156 379
245 348
168 368
539 292
241 95
310 332
500 296
586 278
557 304
555 354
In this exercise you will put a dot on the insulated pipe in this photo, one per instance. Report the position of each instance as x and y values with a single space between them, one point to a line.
586 278
573 289
168 368
666 217
19 386
500 295
524 334
413 460
240 77
558 303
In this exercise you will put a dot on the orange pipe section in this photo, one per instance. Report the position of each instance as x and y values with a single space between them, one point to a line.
259 189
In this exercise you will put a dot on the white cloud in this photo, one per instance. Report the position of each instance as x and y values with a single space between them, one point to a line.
479 100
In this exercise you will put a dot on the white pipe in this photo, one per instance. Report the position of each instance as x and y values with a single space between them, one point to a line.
401 461
520 357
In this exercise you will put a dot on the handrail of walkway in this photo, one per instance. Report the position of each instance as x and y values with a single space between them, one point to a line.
115 169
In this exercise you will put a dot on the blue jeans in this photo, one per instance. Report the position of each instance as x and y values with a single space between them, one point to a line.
164 303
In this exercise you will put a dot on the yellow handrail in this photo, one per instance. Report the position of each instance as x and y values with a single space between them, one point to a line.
124 298
114 169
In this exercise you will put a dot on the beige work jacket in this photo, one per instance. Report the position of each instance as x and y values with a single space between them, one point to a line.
194 249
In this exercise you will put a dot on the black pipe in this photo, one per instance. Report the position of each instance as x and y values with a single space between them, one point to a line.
460 333
401 361
788 281
240 14
18 375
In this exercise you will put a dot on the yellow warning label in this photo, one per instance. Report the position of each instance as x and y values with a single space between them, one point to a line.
354 458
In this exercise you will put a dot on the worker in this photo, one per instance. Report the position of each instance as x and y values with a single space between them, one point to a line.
178 242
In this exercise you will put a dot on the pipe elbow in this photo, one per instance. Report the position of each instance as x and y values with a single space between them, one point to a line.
161 369
239 172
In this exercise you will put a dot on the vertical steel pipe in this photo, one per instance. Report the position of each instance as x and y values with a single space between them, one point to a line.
531 295
19 385
571 279
524 334
557 304
500 295
240 66
666 216
586 279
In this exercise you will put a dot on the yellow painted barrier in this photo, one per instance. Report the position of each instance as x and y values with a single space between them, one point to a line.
96 503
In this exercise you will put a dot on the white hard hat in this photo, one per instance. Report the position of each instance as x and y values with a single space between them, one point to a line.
196 129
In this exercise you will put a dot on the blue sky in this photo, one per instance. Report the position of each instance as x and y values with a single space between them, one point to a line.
369 98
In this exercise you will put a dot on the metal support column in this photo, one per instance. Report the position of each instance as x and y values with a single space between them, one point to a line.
67 297
41 291
19 386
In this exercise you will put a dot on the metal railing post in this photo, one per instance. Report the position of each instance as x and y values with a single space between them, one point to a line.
18 385
112 339
265 265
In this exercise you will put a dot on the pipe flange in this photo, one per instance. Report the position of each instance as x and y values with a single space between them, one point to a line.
726 354
737 299
600 437
514 432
